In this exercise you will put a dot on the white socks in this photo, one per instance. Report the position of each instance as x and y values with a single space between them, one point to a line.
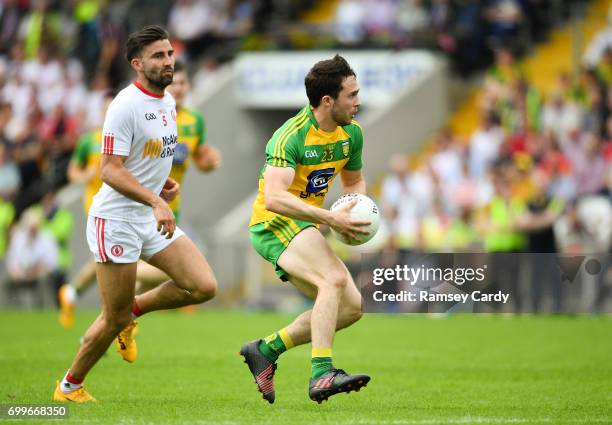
68 387
71 293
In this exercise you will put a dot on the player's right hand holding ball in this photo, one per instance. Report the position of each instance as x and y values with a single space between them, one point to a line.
362 212
343 224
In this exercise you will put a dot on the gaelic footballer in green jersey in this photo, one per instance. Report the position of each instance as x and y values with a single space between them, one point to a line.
303 157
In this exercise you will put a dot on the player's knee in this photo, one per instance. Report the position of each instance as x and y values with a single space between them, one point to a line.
336 281
355 314
351 313
206 290
117 321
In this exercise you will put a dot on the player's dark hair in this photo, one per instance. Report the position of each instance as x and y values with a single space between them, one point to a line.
140 39
325 79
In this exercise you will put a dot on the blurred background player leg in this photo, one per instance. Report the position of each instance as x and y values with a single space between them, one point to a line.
148 277
84 168
70 292
192 146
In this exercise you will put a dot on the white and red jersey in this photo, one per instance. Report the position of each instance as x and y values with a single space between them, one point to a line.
142 126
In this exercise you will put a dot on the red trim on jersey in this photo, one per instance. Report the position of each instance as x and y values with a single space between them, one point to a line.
109 144
147 92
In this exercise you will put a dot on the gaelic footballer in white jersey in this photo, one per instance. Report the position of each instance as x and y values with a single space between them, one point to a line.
142 126
130 217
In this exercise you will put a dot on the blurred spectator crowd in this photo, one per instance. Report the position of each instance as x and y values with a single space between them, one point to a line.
535 177
466 30
58 61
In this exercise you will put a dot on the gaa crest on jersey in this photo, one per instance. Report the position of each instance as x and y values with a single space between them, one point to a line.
117 250
345 148
319 179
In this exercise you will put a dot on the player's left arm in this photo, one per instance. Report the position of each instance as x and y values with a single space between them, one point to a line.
351 175
353 181
207 158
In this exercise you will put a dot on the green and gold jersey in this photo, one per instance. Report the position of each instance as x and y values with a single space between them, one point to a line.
191 135
87 155
316 155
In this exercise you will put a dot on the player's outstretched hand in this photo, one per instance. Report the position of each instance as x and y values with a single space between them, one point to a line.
208 158
166 223
344 224
170 190
213 158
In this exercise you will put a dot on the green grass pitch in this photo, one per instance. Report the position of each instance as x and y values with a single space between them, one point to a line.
471 369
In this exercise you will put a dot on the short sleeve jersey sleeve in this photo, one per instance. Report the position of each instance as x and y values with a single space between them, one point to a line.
283 150
118 131
355 163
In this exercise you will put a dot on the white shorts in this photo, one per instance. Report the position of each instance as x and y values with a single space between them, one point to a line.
125 242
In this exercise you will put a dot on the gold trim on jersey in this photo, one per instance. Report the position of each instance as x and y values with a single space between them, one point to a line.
290 124
279 148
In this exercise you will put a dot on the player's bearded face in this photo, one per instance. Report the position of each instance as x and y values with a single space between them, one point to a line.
346 105
158 63
159 76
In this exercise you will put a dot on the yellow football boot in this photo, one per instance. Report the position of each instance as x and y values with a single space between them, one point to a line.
127 344
77 396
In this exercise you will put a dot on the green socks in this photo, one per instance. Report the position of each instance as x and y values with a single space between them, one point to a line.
279 342
276 344
321 362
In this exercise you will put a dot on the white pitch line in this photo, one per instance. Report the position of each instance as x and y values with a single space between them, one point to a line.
477 420
430 421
